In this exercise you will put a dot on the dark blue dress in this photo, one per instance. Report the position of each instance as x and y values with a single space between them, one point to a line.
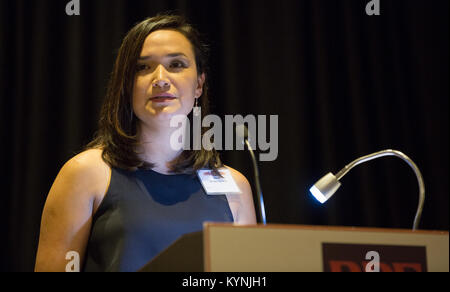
142 213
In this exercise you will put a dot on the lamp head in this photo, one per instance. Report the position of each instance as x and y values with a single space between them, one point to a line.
325 188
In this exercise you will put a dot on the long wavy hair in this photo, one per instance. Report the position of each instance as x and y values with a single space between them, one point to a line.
117 128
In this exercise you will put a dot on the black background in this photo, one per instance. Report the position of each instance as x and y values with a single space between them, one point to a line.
343 84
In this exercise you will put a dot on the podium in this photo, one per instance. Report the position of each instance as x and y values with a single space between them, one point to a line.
224 247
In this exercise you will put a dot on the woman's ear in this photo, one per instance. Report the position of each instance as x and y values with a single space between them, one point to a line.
200 83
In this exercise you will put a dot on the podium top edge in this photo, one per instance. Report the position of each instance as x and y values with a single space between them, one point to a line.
208 225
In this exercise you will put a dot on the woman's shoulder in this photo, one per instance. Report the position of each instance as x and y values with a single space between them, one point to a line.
238 177
88 169
88 161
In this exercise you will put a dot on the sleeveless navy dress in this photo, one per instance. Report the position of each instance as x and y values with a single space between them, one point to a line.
142 213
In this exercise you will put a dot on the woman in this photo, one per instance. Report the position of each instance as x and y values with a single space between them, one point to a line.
130 194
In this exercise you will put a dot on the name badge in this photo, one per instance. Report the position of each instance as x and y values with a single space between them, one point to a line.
218 185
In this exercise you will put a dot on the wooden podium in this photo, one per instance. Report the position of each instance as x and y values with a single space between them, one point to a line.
297 248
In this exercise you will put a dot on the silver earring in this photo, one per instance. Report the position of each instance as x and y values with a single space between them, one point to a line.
197 109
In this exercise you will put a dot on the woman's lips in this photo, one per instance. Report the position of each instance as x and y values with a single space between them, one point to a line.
162 98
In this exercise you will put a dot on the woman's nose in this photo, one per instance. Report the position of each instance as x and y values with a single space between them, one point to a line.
160 83
160 78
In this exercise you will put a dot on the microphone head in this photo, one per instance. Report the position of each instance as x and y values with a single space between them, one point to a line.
242 132
325 188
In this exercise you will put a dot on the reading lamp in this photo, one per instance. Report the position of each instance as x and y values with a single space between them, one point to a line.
325 188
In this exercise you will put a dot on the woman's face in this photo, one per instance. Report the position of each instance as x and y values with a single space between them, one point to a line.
166 82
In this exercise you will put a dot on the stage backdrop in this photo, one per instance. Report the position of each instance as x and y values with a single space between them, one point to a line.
344 84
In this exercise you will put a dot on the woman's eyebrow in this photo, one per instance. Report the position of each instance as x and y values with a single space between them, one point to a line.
171 55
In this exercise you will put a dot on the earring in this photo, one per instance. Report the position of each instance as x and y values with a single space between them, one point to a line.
197 109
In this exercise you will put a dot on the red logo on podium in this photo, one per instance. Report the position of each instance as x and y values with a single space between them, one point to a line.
339 257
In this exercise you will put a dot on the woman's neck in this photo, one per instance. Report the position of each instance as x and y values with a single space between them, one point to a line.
156 147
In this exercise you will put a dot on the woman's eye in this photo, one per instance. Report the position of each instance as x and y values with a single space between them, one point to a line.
173 65
177 64
142 67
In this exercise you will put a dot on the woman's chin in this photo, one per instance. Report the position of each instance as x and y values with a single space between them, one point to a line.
164 113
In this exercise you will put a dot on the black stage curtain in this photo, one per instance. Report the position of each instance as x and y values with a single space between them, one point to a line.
344 84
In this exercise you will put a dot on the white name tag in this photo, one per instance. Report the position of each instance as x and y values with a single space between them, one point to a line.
216 185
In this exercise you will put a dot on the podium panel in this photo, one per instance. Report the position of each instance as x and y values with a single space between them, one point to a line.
297 248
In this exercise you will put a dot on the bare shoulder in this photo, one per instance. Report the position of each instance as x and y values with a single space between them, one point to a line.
89 171
239 178
91 159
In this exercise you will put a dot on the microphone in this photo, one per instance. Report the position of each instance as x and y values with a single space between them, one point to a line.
325 188
242 134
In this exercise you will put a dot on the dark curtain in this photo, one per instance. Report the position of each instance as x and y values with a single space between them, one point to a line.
343 84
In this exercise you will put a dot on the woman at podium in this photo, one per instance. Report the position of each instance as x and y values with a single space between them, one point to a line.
130 194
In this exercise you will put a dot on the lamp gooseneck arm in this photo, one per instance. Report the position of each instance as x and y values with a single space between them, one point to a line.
405 158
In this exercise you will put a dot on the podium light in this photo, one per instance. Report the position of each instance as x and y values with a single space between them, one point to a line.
329 184
325 188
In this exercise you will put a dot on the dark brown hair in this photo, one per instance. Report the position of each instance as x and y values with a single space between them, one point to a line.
117 132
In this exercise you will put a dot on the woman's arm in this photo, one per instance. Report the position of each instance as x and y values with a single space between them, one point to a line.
67 216
242 205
